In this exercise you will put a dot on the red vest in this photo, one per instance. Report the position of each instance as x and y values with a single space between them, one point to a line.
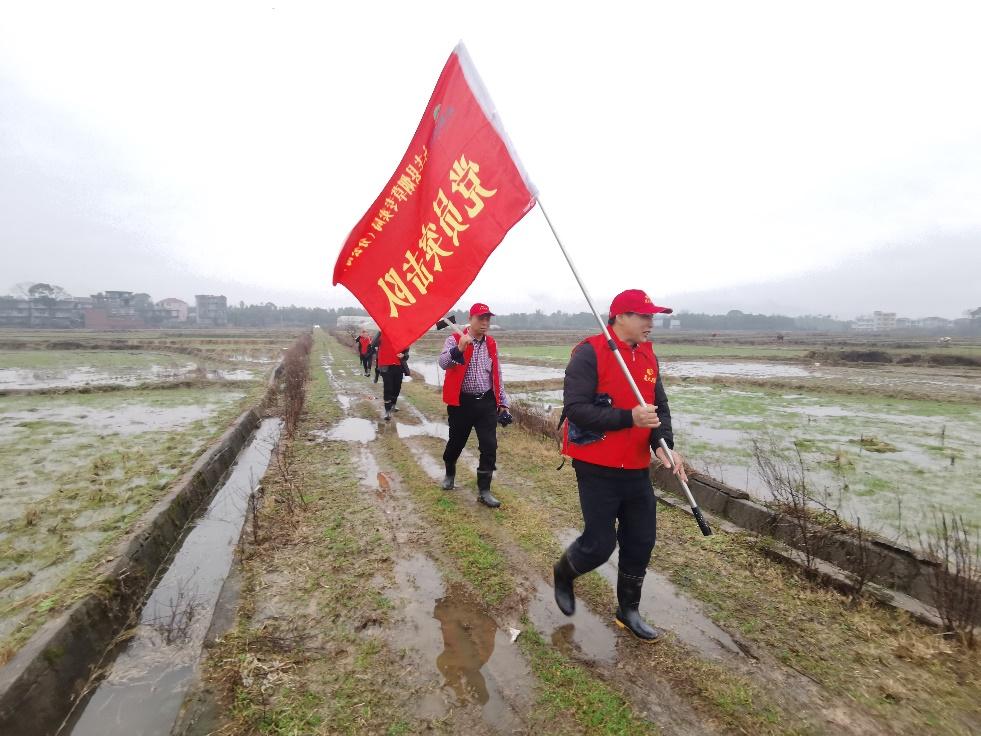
363 342
453 381
621 448
387 353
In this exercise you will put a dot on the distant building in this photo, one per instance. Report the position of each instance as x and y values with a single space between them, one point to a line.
357 322
675 324
878 322
212 311
883 321
863 322
101 318
935 323
175 310
41 312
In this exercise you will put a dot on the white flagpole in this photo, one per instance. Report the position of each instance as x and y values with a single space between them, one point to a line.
702 524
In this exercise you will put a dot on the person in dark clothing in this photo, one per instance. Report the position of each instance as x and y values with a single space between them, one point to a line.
473 391
609 437
393 365
363 344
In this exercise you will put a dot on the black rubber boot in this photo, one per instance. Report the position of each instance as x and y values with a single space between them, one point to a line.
564 574
448 480
483 489
388 413
627 615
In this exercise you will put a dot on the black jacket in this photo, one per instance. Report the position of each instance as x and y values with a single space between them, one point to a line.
581 379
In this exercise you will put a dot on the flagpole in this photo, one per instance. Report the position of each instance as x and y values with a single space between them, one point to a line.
702 524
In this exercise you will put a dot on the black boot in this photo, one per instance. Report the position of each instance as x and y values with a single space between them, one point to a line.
565 573
388 413
448 480
483 489
627 616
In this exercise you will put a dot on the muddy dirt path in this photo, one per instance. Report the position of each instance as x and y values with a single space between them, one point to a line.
463 645
465 669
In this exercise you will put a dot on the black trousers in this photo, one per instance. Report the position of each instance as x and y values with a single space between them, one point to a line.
392 384
473 413
618 506
366 362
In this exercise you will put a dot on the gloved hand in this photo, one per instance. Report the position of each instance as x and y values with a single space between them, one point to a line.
504 418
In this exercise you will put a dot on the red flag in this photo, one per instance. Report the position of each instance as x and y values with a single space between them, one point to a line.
457 191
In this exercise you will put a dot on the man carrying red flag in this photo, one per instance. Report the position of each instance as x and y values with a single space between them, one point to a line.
473 391
609 437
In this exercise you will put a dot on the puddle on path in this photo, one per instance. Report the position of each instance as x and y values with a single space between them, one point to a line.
584 631
431 466
145 685
425 428
460 647
663 606
352 429
368 465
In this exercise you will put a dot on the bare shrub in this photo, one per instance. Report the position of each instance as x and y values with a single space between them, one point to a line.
812 520
296 371
290 490
956 579
535 422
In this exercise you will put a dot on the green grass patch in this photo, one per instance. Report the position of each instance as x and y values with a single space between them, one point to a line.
568 687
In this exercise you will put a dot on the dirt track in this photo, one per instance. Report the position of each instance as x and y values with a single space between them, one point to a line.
384 605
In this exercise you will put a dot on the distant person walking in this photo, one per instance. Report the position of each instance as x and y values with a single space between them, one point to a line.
363 344
473 391
609 437
393 366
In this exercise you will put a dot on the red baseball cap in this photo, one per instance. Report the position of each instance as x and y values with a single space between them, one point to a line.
636 301
479 308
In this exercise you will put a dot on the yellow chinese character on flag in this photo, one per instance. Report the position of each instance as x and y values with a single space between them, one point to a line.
406 184
463 178
397 292
429 244
449 217
417 273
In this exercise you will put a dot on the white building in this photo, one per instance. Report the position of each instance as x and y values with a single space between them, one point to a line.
863 322
357 322
884 321
177 308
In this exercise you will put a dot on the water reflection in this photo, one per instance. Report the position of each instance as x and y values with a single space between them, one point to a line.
468 643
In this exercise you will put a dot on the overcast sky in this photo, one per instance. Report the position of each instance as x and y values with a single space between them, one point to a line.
760 156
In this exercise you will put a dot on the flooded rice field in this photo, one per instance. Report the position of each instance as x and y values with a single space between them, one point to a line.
55 369
78 470
888 461
514 372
